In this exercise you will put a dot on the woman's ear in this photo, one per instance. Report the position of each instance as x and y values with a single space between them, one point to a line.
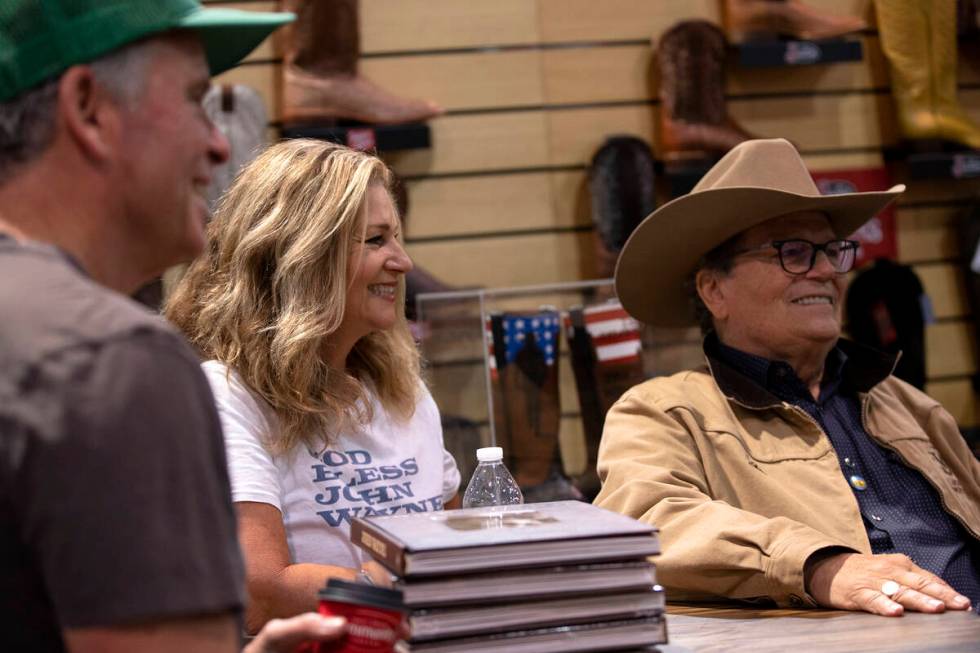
710 288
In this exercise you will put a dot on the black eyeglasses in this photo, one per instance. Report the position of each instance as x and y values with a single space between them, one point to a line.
797 256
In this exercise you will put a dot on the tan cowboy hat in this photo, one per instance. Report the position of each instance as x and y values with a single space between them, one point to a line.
755 181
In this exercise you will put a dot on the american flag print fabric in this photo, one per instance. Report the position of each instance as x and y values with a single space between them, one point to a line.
508 333
615 335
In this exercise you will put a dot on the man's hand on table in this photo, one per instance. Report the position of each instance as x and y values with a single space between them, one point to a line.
852 581
288 635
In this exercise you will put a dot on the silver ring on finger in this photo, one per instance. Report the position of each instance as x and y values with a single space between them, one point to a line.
890 588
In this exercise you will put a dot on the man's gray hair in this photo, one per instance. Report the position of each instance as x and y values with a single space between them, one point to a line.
27 121
720 260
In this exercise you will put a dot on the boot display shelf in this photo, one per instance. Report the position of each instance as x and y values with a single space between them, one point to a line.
366 137
775 53
944 165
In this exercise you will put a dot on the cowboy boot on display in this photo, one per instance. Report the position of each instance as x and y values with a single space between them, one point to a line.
884 310
606 353
320 80
767 19
527 408
621 183
919 40
954 123
694 122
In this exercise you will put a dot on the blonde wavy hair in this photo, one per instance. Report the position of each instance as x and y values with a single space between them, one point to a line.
271 287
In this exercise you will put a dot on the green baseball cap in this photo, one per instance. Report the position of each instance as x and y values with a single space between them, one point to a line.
41 38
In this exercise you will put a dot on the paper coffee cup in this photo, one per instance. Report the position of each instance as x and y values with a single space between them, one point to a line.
373 615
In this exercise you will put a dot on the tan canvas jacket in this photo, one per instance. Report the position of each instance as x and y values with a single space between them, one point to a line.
744 487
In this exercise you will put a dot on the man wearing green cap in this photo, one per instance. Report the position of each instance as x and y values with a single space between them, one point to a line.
116 527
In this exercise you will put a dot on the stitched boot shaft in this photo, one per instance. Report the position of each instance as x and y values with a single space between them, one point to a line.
527 409
591 408
692 72
918 38
767 19
621 184
904 29
605 350
693 117
954 123
324 40
320 81
884 310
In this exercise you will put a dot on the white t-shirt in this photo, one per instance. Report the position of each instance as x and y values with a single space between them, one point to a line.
387 467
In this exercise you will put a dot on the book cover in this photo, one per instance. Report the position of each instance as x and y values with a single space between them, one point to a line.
543 582
601 636
457 622
501 537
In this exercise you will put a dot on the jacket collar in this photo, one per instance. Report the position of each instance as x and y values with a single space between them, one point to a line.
864 369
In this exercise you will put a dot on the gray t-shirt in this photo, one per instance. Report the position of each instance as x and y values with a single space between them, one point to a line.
114 494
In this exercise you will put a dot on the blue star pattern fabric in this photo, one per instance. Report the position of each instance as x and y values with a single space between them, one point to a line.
544 325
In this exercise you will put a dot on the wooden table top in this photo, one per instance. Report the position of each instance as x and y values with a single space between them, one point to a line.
712 629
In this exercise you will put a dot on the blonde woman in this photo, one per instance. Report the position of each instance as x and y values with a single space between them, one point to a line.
297 305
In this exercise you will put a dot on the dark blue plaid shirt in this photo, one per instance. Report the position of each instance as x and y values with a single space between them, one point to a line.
902 511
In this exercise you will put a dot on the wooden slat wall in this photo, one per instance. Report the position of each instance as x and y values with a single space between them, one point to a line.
532 88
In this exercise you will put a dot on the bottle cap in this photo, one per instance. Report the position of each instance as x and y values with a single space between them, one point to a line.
489 454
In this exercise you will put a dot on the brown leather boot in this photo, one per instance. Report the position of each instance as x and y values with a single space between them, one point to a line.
694 122
320 81
621 183
755 19
526 402
604 343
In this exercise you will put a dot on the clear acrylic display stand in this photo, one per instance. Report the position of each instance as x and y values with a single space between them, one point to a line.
451 328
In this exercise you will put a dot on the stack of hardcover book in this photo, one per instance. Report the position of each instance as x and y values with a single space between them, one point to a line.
556 577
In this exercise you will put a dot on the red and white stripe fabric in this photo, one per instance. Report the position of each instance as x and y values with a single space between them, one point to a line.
488 336
615 335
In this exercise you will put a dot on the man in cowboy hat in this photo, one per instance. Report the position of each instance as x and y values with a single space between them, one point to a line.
792 469
116 526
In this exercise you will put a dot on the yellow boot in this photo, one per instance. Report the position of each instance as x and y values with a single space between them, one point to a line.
953 122
918 38
905 39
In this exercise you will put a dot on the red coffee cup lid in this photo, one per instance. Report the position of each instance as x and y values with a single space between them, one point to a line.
361 594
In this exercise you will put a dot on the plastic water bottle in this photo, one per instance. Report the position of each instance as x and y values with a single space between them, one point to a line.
491 484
